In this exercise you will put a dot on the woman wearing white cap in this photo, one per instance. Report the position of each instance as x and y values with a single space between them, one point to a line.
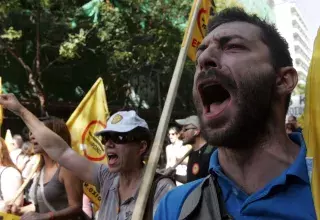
126 139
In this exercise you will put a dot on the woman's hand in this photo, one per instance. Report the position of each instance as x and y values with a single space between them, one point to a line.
35 216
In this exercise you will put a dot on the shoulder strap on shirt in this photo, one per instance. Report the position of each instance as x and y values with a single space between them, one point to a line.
1 196
49 206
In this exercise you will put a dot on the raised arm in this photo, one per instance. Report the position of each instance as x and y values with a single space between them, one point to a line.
54 145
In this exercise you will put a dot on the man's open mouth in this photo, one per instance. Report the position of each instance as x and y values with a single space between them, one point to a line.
215 98
112 158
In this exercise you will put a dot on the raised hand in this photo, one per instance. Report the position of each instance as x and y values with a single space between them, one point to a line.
10 102
13 209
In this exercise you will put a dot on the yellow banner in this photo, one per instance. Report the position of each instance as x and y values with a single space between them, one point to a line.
89 117
206 10
311 131
6 216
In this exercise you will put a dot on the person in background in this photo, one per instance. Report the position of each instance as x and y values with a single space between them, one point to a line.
17 143
27 159
289 128
199 158
175 151
293 120
10 178
87 206
24 157
55 192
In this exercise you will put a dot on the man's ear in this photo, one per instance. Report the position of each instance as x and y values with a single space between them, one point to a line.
196 132
286 81
143 147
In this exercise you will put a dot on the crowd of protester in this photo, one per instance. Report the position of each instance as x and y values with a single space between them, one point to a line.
241 165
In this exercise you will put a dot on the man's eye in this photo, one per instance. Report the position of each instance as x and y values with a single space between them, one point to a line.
234 46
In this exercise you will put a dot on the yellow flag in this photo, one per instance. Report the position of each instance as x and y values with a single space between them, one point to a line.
89 117
311 131
206 10
1 110
9 140
6 216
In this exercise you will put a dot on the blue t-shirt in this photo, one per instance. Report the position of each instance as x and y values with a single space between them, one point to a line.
286 197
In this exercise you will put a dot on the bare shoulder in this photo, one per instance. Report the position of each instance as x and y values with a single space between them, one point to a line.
10 173
66 174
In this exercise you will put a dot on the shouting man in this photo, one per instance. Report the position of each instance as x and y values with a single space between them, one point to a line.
242 86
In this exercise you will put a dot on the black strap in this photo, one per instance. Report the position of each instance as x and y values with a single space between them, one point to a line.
148 214
205 202
1 196
223 211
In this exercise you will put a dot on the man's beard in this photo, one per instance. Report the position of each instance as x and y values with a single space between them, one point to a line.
190 141
253 100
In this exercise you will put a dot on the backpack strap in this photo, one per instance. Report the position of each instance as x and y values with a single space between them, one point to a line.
205 202
214 185
148 214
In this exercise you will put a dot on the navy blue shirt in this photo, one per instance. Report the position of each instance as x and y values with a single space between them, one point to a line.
286 197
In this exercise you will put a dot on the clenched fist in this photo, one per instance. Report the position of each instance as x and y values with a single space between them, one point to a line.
10 102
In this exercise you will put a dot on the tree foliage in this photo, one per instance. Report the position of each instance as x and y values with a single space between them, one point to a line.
55 50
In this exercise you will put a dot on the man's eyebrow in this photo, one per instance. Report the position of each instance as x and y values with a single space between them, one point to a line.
222 40
225 39
201 47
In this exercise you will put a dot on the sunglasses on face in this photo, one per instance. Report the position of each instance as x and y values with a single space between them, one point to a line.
187 129
117 138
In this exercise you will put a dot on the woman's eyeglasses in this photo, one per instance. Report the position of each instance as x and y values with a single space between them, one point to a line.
117 138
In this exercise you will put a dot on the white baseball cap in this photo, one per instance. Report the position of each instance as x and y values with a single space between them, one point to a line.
123 121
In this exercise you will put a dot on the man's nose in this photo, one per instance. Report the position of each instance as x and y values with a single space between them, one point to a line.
209 59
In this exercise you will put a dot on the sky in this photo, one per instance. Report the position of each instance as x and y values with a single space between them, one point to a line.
310 11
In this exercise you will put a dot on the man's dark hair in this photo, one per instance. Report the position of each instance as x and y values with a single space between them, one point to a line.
293 117
278 46
143 134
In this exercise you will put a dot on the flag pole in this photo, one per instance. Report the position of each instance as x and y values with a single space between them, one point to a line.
140 205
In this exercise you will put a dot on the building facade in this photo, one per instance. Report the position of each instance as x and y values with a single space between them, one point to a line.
293 28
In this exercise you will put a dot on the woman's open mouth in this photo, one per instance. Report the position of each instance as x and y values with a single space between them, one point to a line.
112 158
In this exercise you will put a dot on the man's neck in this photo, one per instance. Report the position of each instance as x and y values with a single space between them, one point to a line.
199 143
252 167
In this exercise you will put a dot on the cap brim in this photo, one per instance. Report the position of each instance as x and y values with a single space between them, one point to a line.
120 129
181 121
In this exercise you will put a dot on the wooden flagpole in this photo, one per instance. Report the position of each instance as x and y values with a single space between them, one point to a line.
164 121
